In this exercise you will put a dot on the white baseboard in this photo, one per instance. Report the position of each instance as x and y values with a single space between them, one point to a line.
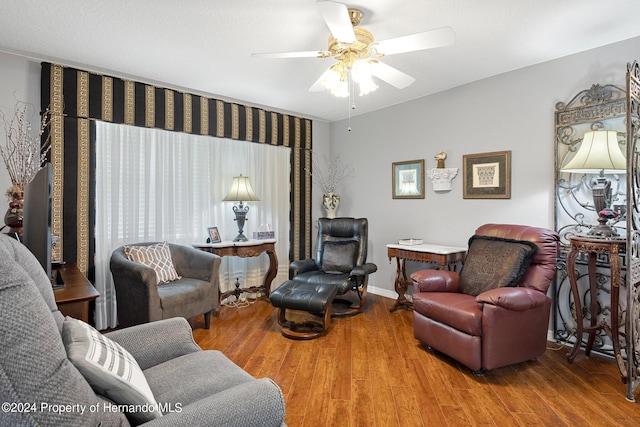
382 292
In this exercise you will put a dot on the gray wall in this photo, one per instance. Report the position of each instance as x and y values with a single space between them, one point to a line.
19 80
513 111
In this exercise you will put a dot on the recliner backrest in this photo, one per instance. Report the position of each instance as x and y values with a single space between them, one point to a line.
35 271
543 265
343 229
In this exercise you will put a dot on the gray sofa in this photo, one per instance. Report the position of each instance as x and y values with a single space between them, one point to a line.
39 386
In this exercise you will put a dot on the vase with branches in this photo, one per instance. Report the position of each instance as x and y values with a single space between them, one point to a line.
24 152
334 173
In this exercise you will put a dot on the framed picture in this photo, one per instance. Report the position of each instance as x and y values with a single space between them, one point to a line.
487 175
214 235
408 179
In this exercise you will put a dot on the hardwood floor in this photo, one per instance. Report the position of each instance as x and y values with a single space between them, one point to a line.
370 371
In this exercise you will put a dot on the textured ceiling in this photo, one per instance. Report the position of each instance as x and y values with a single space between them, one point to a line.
205 46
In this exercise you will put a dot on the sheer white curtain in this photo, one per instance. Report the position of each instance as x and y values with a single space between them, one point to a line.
154 185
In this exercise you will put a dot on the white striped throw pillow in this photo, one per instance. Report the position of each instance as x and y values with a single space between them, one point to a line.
109 369
156 256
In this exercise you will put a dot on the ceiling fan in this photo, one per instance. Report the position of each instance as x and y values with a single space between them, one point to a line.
358 54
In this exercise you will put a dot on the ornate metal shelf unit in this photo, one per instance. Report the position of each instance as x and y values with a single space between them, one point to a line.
632 328
601 107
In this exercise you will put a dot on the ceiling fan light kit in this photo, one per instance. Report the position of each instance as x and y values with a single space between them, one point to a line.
338 78
357 53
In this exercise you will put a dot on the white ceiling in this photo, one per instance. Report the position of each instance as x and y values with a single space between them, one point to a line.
204 46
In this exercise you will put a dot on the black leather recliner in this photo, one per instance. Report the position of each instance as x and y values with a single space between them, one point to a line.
341 261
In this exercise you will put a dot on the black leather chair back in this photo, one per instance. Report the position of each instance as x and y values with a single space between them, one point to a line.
343 229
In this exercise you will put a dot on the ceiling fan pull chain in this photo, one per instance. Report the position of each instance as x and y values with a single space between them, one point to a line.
351 99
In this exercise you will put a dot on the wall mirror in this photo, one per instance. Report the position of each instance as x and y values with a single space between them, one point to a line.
590 112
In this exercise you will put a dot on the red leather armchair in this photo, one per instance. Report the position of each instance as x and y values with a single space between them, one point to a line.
497 327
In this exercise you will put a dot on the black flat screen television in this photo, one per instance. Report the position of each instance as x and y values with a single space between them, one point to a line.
36 223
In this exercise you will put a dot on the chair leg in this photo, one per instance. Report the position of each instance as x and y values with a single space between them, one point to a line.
207 319
480 372
282 317
352 302
304 330
362 290
327 318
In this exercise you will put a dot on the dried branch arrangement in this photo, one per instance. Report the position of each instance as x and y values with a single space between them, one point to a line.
335 173
23 151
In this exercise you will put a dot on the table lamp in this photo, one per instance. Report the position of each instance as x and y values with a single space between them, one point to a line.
241 191
599 153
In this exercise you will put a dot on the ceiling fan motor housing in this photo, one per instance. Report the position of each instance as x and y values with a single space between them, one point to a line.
355 15
349 53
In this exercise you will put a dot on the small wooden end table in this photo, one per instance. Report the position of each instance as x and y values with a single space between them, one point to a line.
593 246
446 257
73 299
248 249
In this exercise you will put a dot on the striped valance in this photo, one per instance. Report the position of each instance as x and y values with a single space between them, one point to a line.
77 97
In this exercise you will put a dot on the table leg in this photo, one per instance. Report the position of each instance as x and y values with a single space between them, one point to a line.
573 280
593 306
401 285
271 273
614 263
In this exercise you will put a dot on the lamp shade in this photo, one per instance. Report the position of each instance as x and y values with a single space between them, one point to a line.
241 191
599 152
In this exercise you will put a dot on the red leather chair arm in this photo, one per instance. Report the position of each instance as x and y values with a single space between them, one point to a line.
518 299
435 281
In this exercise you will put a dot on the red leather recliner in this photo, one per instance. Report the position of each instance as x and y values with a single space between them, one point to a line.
498 327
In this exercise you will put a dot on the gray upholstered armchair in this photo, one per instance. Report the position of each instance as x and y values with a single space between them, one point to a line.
42 385
341 261
142 299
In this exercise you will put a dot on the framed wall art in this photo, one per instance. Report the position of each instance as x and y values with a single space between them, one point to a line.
487 175
408 179
214 235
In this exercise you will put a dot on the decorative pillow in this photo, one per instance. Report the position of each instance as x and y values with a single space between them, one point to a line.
339 257
157 256
109 369
493 262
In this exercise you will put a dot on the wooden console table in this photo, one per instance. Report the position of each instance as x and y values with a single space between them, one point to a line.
446 257
251 248
593 247
73 299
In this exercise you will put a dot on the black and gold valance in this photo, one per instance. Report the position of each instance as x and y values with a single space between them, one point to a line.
77 97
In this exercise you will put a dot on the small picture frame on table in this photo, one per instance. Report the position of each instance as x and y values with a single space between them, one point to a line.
214 235
487 175
408 179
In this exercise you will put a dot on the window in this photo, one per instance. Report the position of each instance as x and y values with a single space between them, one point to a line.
155 185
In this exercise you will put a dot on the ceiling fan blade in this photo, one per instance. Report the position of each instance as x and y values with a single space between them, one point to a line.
391 75
336 15
426 40
318 86
303 54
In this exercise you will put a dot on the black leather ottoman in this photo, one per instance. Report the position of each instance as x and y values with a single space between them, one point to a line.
309 297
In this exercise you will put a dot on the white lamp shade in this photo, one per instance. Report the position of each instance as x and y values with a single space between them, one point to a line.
599 152
241 191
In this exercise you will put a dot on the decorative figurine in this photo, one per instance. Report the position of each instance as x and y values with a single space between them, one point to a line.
440 176
440 158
